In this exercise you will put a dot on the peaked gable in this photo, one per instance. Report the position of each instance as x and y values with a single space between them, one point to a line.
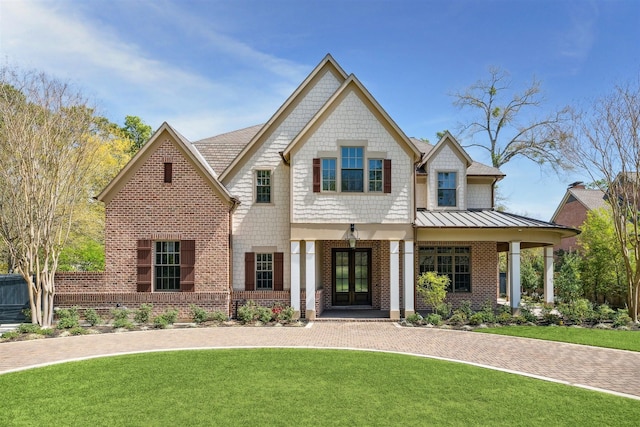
327 65
190 153
352 84
448 139
590 199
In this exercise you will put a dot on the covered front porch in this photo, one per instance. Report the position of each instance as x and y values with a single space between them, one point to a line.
484 234
357 269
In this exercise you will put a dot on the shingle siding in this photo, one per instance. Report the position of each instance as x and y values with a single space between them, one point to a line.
257 225
353 121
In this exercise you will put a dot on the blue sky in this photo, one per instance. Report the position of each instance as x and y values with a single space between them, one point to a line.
208 67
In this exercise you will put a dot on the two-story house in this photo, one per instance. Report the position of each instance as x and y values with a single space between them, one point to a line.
328 204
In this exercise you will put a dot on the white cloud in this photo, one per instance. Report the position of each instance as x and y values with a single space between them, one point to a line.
67 41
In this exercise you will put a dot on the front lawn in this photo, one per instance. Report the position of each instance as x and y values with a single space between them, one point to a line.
295 387
622 340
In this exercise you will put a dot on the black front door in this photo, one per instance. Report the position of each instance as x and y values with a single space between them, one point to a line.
351 276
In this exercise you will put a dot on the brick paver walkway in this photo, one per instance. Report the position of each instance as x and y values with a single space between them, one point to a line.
604 369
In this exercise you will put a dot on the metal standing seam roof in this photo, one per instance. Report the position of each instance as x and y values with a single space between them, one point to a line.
479 219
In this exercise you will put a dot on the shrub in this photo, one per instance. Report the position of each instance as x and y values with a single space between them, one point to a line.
28 328
198 314
26 312
476 318
444 309
160 322
465 308
283 314
264 314
578 311
528 315
604 312
68 318
248 312
78 330
504 317
432 287
434 319
414 319
458 318
143 313
121 318
92 317
10 335
45 331
488 316
165 319
218 316
621 318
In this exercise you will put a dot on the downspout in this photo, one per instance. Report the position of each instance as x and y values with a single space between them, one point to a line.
235 202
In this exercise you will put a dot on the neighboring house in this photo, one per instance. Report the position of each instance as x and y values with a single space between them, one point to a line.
328 204
573 209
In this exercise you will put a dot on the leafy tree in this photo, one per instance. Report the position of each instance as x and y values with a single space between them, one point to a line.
432 287
567 283
602 272
607 146
85 247
505 125
137 131
46 150
531 270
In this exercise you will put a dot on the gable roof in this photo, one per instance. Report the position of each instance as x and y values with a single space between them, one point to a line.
147 149
589 198
351 83
475 169
447 137
328 64
221 150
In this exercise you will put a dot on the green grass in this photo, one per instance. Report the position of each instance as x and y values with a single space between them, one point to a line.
622 340
294 387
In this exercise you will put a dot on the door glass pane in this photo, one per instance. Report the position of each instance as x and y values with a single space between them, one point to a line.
361 272
342 271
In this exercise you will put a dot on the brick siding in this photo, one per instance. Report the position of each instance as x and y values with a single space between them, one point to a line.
147 208
484 274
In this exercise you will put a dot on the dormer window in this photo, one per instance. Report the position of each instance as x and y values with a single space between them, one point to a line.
447 183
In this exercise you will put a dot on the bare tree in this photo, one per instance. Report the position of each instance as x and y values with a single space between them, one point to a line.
45 151
607 146
505 126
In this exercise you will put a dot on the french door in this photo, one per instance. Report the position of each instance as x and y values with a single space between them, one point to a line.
351 276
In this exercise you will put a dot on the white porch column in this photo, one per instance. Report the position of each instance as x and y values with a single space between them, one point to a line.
310 283
394 273
409 278
295 277
548 274
514 276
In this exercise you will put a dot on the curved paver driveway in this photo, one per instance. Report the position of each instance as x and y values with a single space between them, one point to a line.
605 369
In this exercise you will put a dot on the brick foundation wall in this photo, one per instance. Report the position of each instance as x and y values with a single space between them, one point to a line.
269 298
104 302
484 274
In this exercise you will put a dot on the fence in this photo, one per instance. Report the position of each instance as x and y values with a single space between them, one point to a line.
14 297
